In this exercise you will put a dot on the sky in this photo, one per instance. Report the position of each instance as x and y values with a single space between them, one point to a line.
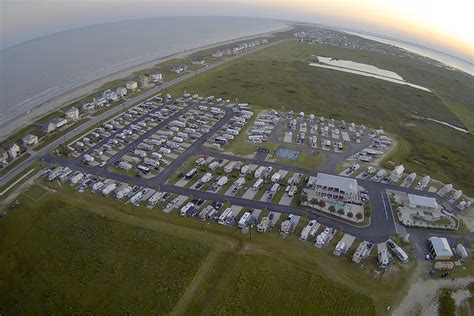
447 26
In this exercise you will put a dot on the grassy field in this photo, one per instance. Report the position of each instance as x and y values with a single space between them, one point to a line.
259 285
307 160
60 258
66 254
279 77
36 166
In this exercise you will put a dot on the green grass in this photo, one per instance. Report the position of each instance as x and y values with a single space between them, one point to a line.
61 258
279 77
37 165
213 283
260 285
306 161
447 306
35 193
247 148
36 230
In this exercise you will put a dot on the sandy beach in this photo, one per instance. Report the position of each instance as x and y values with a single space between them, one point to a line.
21 118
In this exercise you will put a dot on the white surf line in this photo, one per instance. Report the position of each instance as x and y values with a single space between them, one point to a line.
460 129
14 183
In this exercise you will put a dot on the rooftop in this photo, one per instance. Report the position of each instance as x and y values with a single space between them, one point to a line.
343 184
441 246
423 201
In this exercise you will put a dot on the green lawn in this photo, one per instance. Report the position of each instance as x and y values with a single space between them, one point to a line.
37 165
61 258
259 285
307 160
280 77
80 252
35 193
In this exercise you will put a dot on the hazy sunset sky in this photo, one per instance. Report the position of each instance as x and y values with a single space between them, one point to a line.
444 25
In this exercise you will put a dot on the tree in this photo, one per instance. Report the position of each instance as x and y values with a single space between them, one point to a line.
359 215
314 201
350 214
340 211
332 209
322 203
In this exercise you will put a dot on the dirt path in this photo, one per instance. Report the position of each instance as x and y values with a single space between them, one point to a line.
422 294
12 196
201 274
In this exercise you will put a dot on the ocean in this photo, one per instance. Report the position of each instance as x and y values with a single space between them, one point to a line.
35 71
449 60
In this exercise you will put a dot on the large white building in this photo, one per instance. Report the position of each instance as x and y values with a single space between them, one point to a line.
121 92
132 85
440 249
337 189
13 151
72 114
422 202
156 77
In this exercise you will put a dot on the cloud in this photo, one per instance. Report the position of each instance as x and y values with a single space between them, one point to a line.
445 26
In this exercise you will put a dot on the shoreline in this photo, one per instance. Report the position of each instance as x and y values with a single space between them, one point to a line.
56 102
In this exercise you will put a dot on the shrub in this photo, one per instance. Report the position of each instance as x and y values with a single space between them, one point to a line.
332 209
350 214
446 304
359 215
340 211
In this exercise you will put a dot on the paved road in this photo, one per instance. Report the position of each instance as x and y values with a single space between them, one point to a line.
381 226
116 110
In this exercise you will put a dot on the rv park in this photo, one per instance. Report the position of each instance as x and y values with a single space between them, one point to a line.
175 155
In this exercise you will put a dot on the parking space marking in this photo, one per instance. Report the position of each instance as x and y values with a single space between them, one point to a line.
384 206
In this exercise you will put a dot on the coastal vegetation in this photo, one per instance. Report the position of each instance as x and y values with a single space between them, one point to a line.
63 252
279 77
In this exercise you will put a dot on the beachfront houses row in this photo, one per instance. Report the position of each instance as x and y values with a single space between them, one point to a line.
70 116
239 48
14 150
109 96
